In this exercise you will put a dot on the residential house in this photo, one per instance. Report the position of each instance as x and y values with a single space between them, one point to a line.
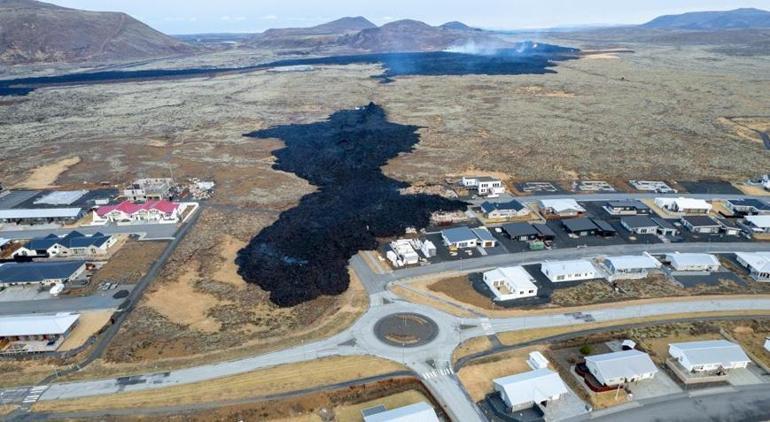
758 264
627 207
161 211
561 208
702 224
418 412
521 231
709 355
486 240
747 206
484 185
617 368
47 330
574 270
702 262
73 244
459 238
544 232
639 224
757 223
41 216
631 266
580 227
509 283
45 273
537 387
151 189
729 227
502 210
684 205
665 228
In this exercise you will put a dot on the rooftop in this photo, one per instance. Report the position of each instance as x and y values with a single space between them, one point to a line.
688 259
759 261
511 205
73 239
701 221
418 412
578 266
30 272
638 222
518 277
17 214
628 203
762 221
580 225
563 204
707 352
33 325
520 229
458 234
625 364
533 386
129 207
483 234
751 202
633 262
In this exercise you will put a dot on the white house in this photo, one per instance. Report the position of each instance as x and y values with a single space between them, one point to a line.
575 270
534 387
684 205
758 264
161 211
710 355
693 262
486 240
418 412
459 238
405 253
484 185
758 223
510 283
631 266
616 368
563 207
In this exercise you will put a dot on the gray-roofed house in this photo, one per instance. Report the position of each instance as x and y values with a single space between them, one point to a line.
639 224
41 215
45 273
747 206
617 368
665 228
486 240
545 232
460 238
709 355
702 224
580 226
521 231
73 244
627 207
502 210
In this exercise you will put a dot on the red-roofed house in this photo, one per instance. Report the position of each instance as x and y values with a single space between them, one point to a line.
128 212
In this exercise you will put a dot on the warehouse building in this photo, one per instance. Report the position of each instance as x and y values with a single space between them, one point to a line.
617 368
537 387
708 356
35 333
41 216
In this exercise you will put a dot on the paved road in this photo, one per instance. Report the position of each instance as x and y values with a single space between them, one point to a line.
147 231
62 304
593 197
739 404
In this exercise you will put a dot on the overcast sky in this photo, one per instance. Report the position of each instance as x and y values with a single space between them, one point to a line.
199 16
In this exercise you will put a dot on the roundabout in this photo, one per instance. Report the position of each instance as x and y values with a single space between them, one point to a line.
406 329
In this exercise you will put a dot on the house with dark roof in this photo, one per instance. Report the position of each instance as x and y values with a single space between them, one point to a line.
702 224
665 228
545 232
747 206
605 228
627 207
639 224
729 227
580 227
502 210
45 273
73 244
521 231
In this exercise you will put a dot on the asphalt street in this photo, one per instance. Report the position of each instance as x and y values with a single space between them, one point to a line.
145 231
62 304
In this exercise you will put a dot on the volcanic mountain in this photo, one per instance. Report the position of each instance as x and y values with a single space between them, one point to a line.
32 31
733 19
324 34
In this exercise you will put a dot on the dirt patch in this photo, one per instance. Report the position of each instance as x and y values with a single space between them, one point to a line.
89 324
228 271
460 289
469 347
130 263
747 128
45 176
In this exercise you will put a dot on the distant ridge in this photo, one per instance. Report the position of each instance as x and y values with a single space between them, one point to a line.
733 19
33 32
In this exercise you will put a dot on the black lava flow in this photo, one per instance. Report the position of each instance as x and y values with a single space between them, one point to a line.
305 253
526 58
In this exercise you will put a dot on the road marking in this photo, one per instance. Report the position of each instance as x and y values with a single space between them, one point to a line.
487 327
34 394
